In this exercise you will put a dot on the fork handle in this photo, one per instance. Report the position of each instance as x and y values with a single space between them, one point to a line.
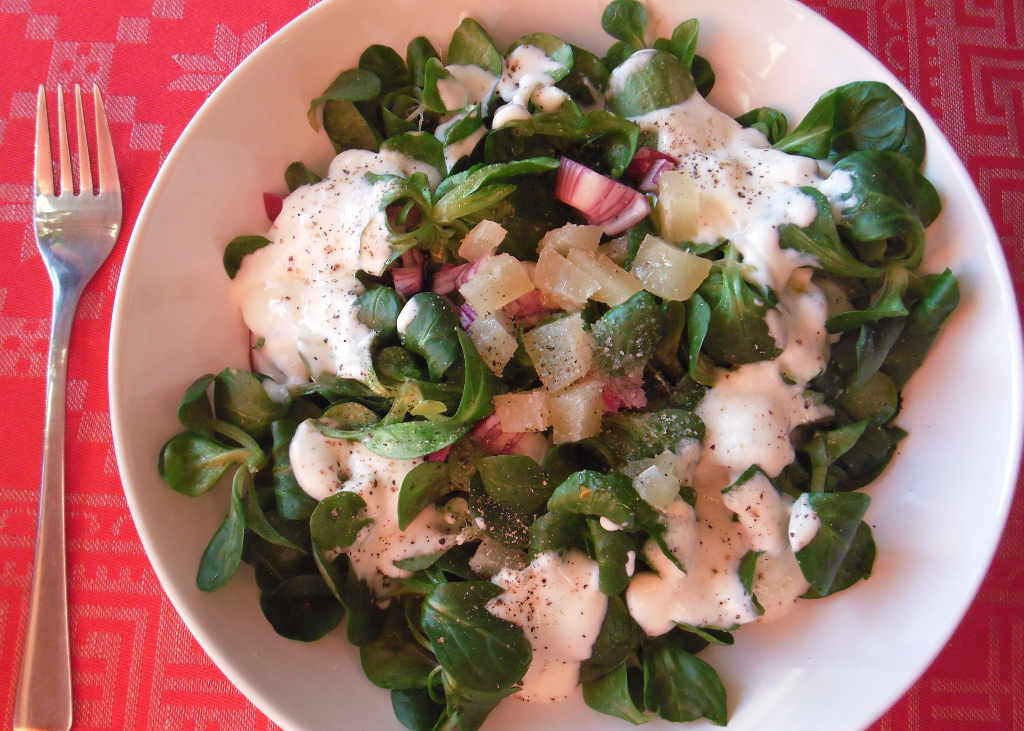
43 700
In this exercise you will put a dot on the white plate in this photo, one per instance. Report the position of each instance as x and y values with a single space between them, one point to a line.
938 511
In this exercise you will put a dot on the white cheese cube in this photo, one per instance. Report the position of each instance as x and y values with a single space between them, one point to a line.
562 282
678 206
576 412
571 236
667 270
493 341
485 237
617 285
523 412
561 351
499 280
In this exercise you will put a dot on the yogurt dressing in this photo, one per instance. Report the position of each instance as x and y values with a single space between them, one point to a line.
527 77
747 190
298 293
323 466
557 603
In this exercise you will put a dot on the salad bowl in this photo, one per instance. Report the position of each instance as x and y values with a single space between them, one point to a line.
937 512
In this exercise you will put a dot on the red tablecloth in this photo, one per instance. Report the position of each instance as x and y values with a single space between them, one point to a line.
135 665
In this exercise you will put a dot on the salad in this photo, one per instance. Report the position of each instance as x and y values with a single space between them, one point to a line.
560 375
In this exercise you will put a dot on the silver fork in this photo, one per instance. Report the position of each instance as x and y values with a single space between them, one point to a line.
75 234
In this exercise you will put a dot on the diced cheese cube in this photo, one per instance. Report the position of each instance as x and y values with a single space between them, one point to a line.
499 280
678 206
493 341
576 411
563 283
616 284
520 412
657 487
667 270
561 351
616 250
485 237
571 236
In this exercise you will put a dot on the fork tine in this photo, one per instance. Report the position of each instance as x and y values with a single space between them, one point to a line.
44 164
84 166
109 182
67 180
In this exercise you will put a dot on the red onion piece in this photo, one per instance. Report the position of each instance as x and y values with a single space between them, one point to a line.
469 271
605 202
625 392
440 455
408 280
488 433
444 280
531 303
638 209
411 219
272 204
650 182
642 160
413 258
467 315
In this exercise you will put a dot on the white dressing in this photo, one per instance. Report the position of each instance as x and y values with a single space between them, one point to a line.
522 67
298 293
406 316
803 523
804 308
549 98
527 77
509 113
453 94
761 513
557 603
478 82
458 150
778 583
324 466
710 593
749 415
621 73
746 188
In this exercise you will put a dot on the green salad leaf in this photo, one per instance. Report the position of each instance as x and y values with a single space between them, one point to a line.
627 21
477 649
840 515
681 687
626 336
472 45
661 81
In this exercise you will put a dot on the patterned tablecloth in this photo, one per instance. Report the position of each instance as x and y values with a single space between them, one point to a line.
135 665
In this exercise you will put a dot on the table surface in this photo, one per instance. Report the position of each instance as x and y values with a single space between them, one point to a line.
134 663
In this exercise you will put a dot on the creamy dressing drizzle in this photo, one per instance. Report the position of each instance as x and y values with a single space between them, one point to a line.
803 523
324 466
557 603
746 191
298 293
478 82
525 78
